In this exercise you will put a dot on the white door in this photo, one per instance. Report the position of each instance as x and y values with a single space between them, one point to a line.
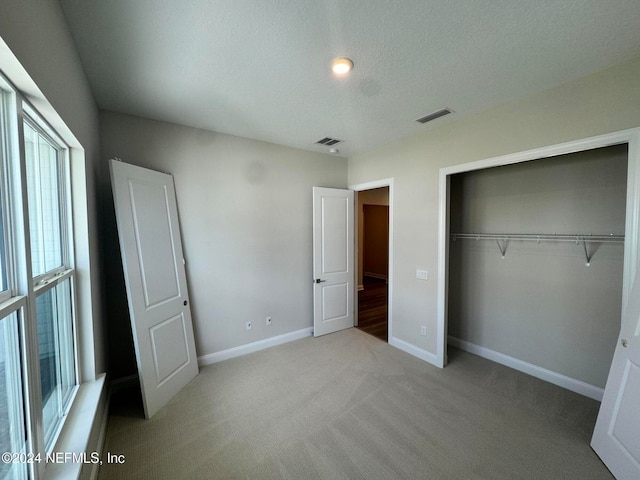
333 265
616 438
153 263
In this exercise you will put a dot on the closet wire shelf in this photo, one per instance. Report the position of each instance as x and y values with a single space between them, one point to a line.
503 239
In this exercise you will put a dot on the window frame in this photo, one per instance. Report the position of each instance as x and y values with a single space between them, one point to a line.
65 405
49 280
16 406
22 289
6 223
37 123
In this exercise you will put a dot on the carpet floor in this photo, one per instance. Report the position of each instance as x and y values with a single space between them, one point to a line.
348 406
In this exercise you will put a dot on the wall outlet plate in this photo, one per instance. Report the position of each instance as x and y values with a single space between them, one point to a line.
423 330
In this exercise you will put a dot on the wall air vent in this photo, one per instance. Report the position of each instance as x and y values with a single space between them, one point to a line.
329 141
434 115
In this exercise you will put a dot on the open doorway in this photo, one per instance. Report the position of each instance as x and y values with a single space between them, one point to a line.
373 262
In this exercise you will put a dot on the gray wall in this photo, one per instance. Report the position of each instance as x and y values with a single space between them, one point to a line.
541 304
604 102
245 213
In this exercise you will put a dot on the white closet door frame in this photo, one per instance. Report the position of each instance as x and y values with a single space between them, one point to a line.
632 234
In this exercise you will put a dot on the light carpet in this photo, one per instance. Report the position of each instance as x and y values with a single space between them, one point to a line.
348 406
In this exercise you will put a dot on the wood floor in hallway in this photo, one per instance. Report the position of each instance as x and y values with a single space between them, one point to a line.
373 308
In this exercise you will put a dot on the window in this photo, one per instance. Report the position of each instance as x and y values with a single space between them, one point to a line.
55 345
44 164
37 311
45 159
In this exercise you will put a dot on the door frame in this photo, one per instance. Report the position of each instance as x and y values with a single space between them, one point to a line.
360 187
631 260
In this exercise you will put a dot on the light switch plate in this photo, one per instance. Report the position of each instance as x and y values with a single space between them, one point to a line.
422 274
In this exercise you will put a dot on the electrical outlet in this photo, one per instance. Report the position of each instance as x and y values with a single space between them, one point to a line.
422 274
423 330
248 325
268 321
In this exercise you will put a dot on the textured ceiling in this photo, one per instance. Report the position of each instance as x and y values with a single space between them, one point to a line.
260 69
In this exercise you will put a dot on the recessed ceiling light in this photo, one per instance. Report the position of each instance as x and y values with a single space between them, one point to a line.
341 66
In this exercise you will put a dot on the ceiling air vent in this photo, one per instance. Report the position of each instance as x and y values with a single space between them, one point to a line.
434 115
329 141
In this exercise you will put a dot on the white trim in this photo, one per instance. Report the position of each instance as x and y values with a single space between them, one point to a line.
254 347
550 376
413 350
385 182
102 435
632 222
76 431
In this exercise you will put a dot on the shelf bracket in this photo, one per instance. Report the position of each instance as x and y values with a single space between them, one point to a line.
503 246
587 255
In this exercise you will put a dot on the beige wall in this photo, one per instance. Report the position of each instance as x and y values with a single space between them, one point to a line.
245 213
604 102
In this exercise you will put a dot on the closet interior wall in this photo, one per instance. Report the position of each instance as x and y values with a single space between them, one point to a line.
540 303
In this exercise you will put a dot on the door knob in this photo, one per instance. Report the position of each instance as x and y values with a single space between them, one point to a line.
319 281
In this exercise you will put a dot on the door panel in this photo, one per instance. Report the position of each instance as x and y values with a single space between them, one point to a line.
625 424
335 302
170 347
335 215
333 261
155 278
616 439
154 247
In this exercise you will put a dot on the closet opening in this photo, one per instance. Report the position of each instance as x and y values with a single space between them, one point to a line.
536 253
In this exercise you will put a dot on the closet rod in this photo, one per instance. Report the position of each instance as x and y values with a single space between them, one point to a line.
502 239
553 237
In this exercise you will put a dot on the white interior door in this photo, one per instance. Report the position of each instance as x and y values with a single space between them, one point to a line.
616 438
333 265
153 263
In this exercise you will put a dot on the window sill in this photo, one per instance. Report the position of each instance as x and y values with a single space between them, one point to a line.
70 453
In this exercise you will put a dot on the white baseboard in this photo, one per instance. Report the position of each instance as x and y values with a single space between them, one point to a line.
550 376
254 347
413 350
